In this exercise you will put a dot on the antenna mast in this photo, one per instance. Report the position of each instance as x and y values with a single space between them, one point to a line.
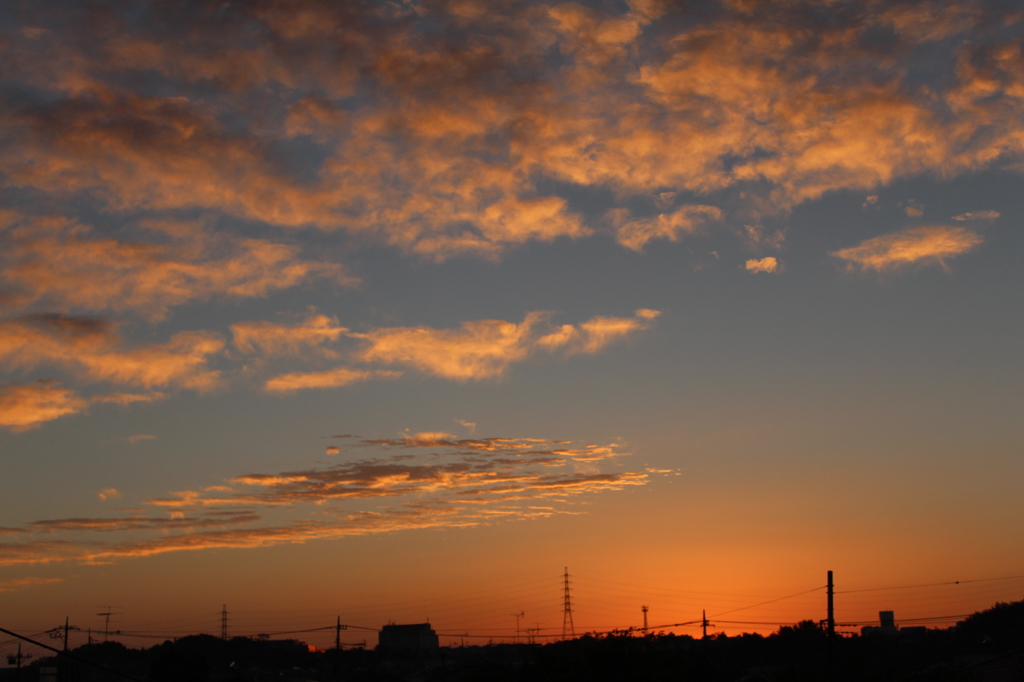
106 620
518 616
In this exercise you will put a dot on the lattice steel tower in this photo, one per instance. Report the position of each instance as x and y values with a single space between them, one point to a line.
568 629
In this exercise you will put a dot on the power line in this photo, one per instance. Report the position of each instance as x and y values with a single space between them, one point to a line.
770 601
951 582
72 656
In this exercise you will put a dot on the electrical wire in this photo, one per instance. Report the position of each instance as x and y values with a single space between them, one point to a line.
770 601
951 582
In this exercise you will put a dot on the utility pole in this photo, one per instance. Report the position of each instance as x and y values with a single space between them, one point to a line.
704 622
518 616
831 622
338 627
644 609
17 658
567 625
224 621
61 632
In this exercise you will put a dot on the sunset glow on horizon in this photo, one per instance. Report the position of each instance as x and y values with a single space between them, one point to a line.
396 311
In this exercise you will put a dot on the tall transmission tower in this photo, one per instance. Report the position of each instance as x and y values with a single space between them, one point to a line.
568 629
644 609
224 621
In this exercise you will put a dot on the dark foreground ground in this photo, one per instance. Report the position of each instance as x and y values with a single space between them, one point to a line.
986 647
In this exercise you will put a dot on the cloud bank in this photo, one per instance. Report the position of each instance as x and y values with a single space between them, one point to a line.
415 481
92 351
439 128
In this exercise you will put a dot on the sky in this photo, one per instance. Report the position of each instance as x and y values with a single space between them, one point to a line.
397 311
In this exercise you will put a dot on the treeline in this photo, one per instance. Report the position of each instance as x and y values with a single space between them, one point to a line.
986 647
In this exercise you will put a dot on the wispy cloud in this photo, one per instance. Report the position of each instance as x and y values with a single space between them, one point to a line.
111 525
139 438
109 494
434 481
21 583
913 209
333 378
976 215
930 245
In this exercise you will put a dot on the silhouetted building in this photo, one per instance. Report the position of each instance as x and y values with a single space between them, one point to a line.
416 638
886 625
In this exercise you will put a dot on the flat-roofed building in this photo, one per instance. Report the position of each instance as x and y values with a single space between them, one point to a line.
414 638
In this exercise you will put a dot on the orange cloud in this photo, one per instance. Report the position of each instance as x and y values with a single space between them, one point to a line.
436 481
89 347
977 215
274 339
478 350
444 141
179 362
919 245
92 351
113 525
62 266
334 378
20 583
768 264
109 494
484 349
27 406
128 399
600 331
160 153
139 438
635 234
